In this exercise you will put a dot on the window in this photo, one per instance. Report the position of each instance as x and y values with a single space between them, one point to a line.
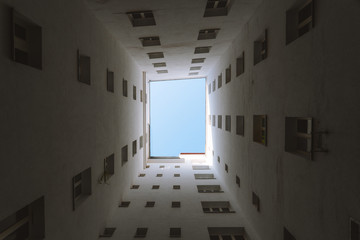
176 175
26 41
204 176
159 64
195 68
213 121
200 167
125 88
197 60
218 159
228 123
162 71
141 97
81 184
226 168
108 232
216 8
141 142
134 148
124 204
299 20
205 34
219 121
260 129
147 166
109 81
216 207
209 189
124 154
256 201
261 48
150 204
289 236
153 55
135 187
109 168
26 223
175 204
240 125
176 187
83 68
141 232
143 18
228 74
240 64
220 81
354 230
177 166
134 92
200 50
209 88
226 233
155 186
175 232
159 175
214 86
142 175
237 181
150 41
161 166
193 73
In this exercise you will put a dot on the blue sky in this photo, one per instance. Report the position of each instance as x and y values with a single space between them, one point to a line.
177 117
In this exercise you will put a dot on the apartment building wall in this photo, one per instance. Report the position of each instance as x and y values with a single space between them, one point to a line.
53 126
314 76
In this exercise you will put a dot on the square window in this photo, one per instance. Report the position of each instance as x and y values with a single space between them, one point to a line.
155 186
150 41
205 34
124 204
216 8
142 18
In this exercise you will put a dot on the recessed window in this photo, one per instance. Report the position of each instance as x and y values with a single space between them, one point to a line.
175 232
150 204
200 50
154 55
256 201
124 204
213 120
134 148
109 168
125 88
216 8
261 48
162 71
124 154
141 97
214 86
237 181
141 18
260 129
159 175
201 167
175 204
226 168
177 166
228 74
354 230
218 159
220 81
134 92
219 121
141 232
193 73
209 189
26 223
209 88
198 60
195 68
83 68
135 187
160 64
26 41
240 64
208 33
228 123
176 174
141 142
216 207
147 166
289 236
299 20
162 166
155 187
176 187
142 175
110 81
240 125
108 232
150 41
204 176
226 233
81 184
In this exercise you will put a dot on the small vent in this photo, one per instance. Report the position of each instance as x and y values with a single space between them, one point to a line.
141 18
198 60
150 41
162 71
124 204
193 73
175 204
200 50
108 232
208 34
175 232
154 55
195 68
216 8
160 64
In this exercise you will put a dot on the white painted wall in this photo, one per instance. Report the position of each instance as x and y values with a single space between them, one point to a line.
315 76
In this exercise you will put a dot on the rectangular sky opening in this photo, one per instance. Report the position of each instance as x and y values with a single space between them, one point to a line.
177 117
